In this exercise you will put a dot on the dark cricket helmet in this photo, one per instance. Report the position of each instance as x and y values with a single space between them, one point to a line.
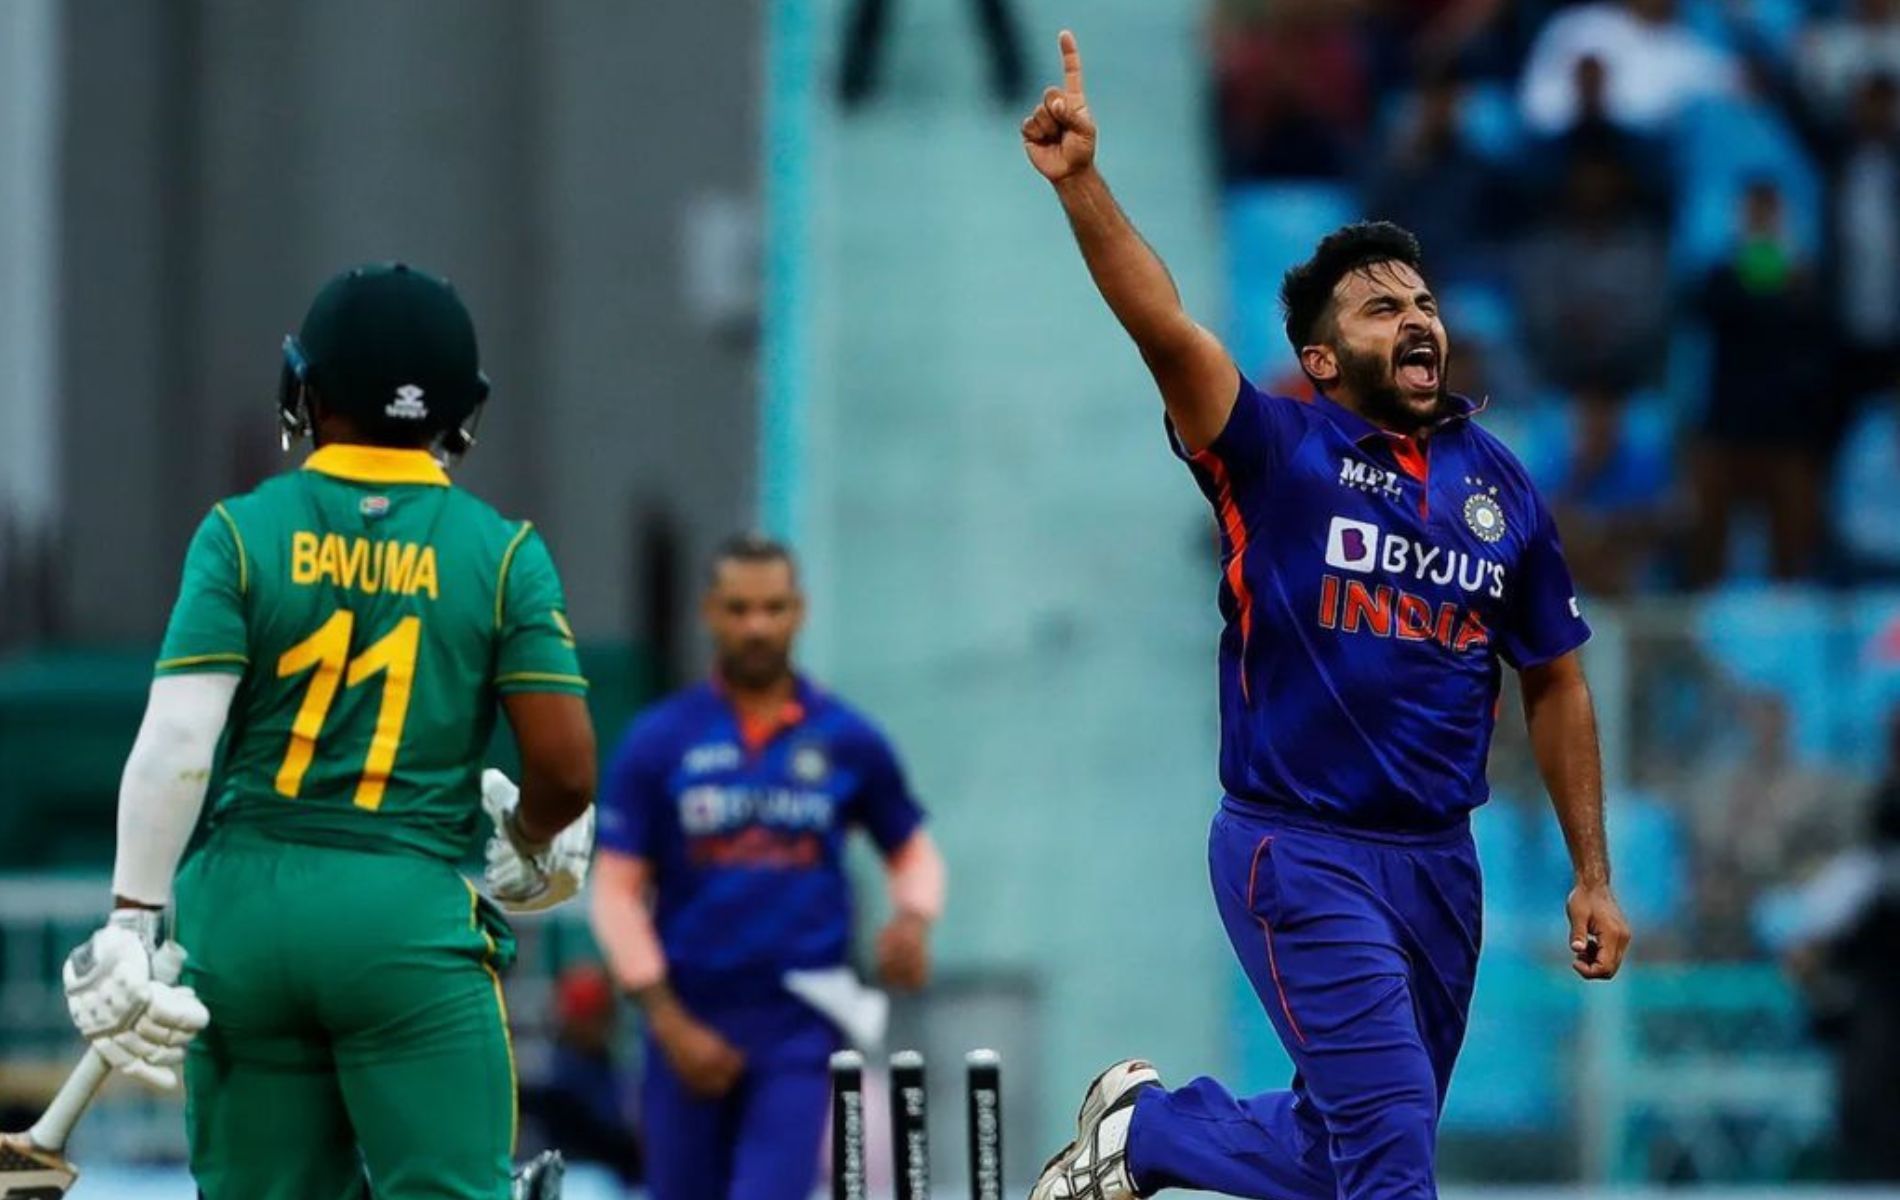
391 347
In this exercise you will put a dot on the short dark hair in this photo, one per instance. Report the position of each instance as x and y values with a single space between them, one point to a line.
1306 292
749 547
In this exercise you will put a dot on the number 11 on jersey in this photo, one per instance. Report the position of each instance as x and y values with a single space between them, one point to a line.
328 652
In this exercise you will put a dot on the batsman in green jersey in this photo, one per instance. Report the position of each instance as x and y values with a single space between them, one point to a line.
346 634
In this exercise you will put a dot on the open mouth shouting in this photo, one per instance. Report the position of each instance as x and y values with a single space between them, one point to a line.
1418 366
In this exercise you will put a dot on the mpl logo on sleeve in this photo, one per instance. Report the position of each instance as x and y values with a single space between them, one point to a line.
1352 545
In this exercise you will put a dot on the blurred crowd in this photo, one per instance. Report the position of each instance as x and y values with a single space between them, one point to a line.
1678 225
1841 938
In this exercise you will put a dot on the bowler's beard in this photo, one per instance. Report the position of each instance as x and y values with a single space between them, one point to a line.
754 667
1374 380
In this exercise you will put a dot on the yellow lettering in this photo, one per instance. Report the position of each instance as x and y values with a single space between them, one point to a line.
303 557
425 573
371 578
352 561
330 558
400 568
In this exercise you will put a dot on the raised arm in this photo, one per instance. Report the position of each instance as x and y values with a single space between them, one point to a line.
1196 375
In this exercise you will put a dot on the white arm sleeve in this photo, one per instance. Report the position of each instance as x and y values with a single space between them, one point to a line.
166 774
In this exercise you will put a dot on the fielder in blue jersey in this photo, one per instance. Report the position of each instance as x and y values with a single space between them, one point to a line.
721 900
1383 557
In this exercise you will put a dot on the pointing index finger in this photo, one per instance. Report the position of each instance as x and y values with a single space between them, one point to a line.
1071 63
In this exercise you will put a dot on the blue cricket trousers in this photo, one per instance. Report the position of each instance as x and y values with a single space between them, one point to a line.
761 1141
1363 949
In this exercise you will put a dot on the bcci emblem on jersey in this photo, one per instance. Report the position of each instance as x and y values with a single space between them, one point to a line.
1484 517
809 764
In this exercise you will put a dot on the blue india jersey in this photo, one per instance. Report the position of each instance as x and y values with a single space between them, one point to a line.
1371 584
745 829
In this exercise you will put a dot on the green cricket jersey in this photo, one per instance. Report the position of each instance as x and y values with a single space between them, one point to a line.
375 613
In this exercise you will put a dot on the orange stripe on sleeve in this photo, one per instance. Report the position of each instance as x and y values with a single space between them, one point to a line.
1235 529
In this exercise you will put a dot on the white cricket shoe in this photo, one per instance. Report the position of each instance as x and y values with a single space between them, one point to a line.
1095 1165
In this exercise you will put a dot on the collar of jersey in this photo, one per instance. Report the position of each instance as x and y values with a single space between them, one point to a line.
798 706
1356 427
794 712
377 464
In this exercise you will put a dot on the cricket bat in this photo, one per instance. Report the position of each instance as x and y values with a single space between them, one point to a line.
33 1165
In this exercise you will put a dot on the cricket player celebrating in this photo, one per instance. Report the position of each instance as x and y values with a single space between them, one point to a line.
722 903
1382 554
347 630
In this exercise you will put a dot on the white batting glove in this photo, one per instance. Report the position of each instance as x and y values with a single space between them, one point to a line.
523 876
122 994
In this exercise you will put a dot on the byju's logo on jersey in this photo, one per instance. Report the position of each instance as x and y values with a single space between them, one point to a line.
1352 545
408 405
1363 548
710 808
1384 608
